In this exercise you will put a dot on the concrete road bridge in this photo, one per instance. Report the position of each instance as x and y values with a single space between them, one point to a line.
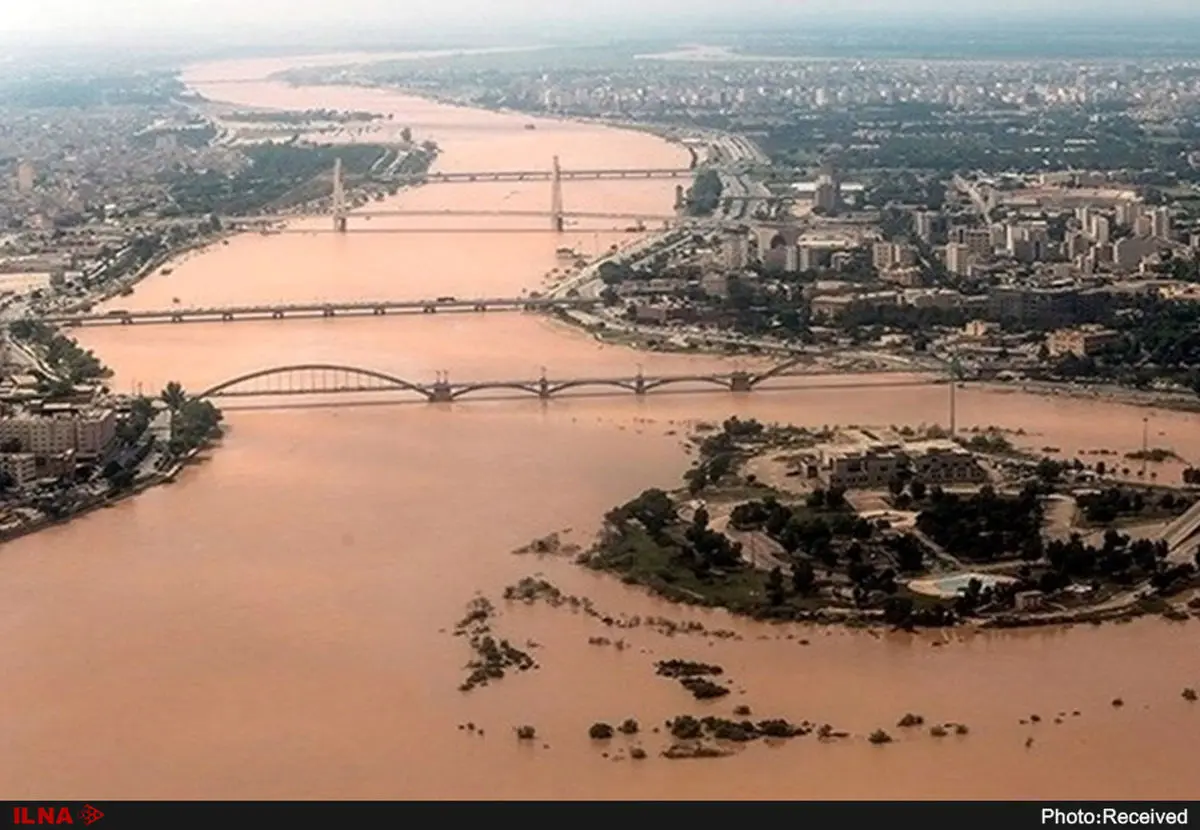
1183 535
296 311
306 379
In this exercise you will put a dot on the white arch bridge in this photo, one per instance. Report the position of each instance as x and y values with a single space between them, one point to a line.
334 379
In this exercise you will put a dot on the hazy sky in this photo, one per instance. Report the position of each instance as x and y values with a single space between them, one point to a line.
83 16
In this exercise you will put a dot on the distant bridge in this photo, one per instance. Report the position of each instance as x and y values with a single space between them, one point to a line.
333 379
528 214
450 230
286 311
607 174
340 212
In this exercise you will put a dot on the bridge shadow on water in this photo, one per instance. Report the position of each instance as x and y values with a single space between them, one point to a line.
290 402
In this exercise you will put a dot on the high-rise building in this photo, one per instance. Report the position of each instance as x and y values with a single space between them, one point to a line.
1014 236
1161 223
957 259
923 224
883 255
826 194
978 242
25 177
1143 226
1127 213
1075 244
1100 230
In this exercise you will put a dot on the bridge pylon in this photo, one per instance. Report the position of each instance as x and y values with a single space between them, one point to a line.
339 197
557 222
441 391
543 385
639 382
741 381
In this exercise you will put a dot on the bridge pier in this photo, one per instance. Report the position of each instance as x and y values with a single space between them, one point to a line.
639 384
277 315
327 312
176 318
429 309
741 382
379 311
226 317
441 392
480 307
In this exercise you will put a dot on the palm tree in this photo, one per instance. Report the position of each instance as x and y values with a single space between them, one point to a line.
174 397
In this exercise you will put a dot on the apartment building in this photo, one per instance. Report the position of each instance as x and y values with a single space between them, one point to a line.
20 467
88 433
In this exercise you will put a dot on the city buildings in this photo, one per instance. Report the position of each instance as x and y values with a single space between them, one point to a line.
1045 306
87 433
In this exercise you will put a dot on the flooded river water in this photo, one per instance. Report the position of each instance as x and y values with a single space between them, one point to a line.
277 623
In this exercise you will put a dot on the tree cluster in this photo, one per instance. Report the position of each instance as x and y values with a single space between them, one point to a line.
984 526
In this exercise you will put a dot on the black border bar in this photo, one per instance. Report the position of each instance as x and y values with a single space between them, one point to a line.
929 815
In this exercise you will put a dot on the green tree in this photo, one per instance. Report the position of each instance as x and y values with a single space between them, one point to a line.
775 590
174 397
804 577
654 509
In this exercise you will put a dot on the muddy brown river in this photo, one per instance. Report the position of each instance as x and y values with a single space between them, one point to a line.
277 623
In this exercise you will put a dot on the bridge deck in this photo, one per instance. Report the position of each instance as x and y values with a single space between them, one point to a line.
319 379
302 310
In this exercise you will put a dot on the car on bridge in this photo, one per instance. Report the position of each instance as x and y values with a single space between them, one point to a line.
447 300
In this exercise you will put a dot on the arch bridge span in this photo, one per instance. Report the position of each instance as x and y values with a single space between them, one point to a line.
336 379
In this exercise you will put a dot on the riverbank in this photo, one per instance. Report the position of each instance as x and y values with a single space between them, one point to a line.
1175 401
91 504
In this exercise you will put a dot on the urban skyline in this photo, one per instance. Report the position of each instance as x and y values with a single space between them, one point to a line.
79 19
